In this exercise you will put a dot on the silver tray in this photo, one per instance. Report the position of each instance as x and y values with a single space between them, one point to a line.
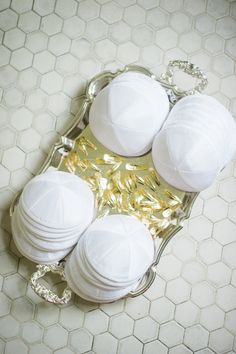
133 179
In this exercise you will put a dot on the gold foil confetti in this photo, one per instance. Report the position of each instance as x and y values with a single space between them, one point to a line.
150 183
154 177
113 169
139 179
129 183
83 143
111 159
167 213
90 164
100 161
133 167
81 165
83 148
172 196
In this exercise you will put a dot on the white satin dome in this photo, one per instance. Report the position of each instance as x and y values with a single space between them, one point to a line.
126 114
196 142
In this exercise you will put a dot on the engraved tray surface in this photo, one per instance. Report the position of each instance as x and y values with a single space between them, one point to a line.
125 185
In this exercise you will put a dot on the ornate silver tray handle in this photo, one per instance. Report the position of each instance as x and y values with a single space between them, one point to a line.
79 152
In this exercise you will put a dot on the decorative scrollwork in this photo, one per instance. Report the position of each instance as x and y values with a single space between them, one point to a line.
45 293
188 68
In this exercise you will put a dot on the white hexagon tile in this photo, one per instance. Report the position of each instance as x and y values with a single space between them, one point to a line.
49 49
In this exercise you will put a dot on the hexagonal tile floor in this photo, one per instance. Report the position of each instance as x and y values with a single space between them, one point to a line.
49 49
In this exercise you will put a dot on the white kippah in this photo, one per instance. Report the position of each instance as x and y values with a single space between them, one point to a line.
110 258
53 211
58 199
119 247
196 142
126 115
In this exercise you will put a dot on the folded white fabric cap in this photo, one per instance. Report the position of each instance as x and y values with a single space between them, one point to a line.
87 272
126 115
58 200
91 275
119 248
211 117
110 258
53 211
196 142
82 287
32 253
45 232
45 235
51 244
85 296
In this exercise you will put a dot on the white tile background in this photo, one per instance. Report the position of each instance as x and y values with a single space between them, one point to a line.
49 49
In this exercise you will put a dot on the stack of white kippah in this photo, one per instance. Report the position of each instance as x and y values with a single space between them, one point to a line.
53 211
110 258
196 142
